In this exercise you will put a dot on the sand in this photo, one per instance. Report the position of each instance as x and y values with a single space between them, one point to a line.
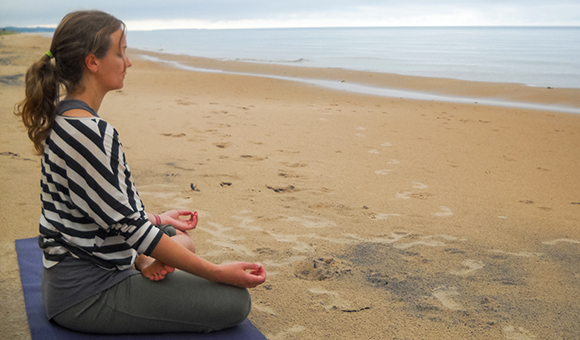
376 218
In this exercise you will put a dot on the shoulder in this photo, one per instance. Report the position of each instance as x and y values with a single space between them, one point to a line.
84 124
84 133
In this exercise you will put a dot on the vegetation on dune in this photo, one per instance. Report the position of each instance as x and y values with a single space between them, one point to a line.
7 32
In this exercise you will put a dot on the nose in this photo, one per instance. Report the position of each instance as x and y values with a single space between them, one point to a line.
127 62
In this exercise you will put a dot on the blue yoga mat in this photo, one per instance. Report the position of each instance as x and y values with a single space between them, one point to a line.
30 263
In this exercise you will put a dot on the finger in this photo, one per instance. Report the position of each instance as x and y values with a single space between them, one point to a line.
185 213
250 265
258 271
254 281
190 223
259 274
183 225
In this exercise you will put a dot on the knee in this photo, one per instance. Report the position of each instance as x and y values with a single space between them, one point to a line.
239 308
245 304
185 240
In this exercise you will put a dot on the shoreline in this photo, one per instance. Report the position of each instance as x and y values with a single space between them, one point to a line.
565 100
342 85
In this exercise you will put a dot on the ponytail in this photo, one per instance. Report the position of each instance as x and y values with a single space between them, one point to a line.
38 109
78 35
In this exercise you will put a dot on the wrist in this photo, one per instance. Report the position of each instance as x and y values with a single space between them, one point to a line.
215 272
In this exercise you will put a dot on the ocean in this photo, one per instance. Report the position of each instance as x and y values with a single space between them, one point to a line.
534 56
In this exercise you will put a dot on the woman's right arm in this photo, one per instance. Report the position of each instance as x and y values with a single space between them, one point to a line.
241 274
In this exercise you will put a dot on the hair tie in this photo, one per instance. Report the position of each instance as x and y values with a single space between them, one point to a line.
49 54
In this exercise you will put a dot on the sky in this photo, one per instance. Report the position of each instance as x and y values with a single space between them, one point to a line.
214 14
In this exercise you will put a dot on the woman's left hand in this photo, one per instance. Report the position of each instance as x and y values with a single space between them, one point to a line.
173 217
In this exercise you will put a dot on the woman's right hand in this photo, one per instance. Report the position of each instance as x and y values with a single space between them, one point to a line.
241 274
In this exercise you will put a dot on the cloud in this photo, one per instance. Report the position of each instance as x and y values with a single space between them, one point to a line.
288 13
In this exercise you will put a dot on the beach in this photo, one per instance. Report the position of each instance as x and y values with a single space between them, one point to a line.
375 217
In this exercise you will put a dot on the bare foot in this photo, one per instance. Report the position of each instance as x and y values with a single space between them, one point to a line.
156 271
152 269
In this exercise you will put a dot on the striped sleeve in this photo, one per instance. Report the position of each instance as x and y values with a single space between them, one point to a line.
89 198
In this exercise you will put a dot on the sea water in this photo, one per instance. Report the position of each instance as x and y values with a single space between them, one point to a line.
534 56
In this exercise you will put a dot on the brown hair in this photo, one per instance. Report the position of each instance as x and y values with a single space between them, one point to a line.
78 35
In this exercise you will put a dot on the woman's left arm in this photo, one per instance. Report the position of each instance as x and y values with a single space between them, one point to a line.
173 217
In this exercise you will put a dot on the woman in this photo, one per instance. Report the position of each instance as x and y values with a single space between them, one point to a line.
94 230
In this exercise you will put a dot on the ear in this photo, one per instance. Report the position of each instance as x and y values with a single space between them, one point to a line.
91 62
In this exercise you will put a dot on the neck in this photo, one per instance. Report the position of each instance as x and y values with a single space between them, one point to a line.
95 104
88 94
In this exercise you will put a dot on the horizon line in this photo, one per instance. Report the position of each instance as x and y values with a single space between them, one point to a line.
317 27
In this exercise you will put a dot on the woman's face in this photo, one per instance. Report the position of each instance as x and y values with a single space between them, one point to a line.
113 67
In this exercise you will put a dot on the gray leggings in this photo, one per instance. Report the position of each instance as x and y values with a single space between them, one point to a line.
179 303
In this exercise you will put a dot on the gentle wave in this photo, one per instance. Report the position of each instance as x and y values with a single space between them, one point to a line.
276 61
535 56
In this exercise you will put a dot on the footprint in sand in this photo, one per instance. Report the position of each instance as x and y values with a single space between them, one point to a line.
245 221
262 308
312 221
510 332
219 231
419 243
295 165
225 240
253 158
294 239
223 145
428 241
173 134
398 237
469 267
419 185
319 269
386 144
446 212
300 246
360 134
382 216
335 302
284 333
519 254
564 240
395 237
405 195
444 294
289 261
383 172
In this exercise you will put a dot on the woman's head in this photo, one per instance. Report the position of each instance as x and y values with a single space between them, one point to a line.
78 35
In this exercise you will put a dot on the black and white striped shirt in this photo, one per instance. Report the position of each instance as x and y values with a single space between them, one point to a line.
90 206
